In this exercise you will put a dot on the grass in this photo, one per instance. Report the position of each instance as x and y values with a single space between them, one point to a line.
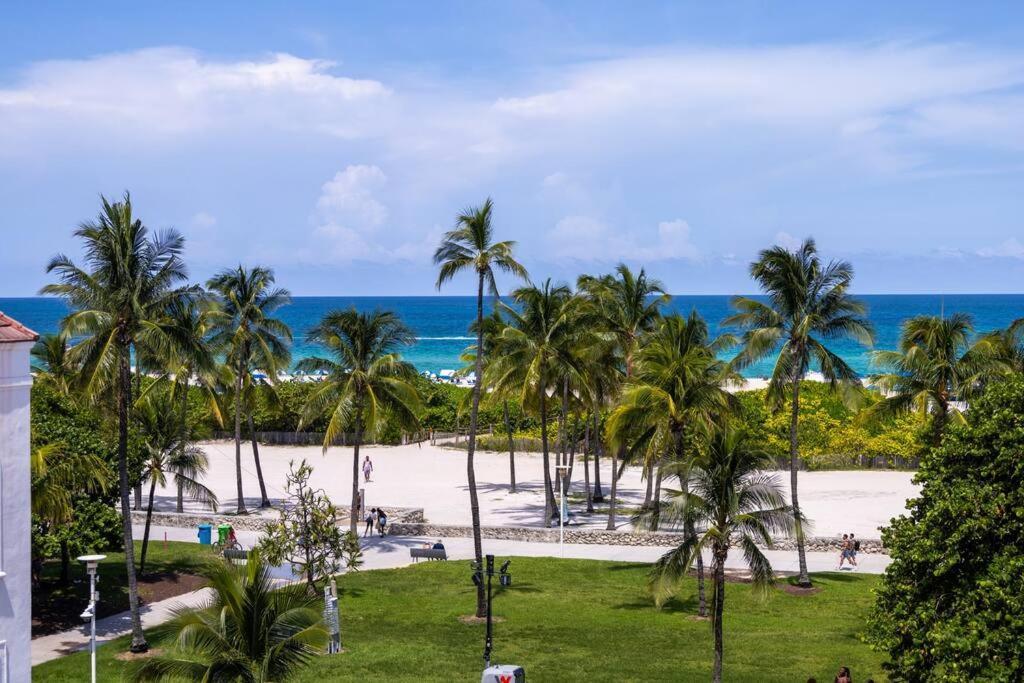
573 620
56 607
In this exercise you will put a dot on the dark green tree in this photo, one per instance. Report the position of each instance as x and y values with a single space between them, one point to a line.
951 603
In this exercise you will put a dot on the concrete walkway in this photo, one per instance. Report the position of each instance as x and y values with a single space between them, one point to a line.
393 551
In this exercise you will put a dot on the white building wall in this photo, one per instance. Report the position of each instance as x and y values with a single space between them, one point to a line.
15 506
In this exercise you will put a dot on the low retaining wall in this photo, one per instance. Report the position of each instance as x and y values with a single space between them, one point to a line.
601 537
258 521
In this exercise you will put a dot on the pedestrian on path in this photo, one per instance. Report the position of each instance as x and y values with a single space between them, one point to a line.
382 522
371 520
367 469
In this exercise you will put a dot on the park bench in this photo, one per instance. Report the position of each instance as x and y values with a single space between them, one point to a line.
428 553
236 555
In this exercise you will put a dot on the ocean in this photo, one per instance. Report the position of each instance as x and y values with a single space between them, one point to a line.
441 322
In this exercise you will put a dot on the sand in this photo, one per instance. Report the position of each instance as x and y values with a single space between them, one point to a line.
434 478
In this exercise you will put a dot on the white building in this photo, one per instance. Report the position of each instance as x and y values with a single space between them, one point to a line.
16 341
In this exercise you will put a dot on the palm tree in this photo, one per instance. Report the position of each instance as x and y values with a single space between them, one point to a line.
367 385
534 351
470 246
493 325
728 495
808 304
625 306
936 365
678 385
194 361
1008 345
168 450
252 339
52 363
57 477
248 631
130 279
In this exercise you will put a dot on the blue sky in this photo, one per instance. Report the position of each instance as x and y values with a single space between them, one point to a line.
336 141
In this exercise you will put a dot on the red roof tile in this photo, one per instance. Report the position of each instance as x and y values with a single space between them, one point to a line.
13 331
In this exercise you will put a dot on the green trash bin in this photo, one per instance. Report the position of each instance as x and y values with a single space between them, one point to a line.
223 531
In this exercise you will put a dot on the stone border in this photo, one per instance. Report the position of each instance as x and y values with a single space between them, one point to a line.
258 521
602 537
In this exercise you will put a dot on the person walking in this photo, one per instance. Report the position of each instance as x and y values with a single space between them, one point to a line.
844 549
367 469
382 522
371 519
854 547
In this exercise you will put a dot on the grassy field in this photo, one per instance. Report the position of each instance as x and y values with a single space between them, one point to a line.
169 572
573 620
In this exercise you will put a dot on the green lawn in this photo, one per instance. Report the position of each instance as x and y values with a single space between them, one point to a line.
56 607
568 620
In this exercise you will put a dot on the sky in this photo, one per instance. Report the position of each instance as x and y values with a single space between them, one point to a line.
336 142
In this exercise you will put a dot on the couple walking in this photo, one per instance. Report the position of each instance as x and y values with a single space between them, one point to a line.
848 550
376 517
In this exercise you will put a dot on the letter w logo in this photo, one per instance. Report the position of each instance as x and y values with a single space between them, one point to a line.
505 678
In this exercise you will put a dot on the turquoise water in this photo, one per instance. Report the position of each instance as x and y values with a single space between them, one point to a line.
441 322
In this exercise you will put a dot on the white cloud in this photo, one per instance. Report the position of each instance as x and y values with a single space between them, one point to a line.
350 218
583 238
349 197
175 91
787 241
202 220
1011 248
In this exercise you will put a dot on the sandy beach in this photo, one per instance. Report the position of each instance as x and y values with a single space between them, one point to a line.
434 478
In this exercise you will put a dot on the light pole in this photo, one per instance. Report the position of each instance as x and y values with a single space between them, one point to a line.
91 561
560 473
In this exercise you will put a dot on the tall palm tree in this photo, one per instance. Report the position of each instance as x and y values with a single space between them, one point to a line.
194 364
252 339
936 365
52 364
367 383
471 247
808 305
1008 345
249 631
493 326
534 351
119 298
678 386
57 478
169 450
625 306
728 495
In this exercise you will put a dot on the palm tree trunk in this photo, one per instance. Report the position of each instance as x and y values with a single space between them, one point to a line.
702 601
649 476
615 486
474 502
549 494
586 468
353 516
137 378
264 501
656 502
803 580
939 423
563 438
238 440
511 450
598 493
124 400
65 563
720 553
184 430
145 534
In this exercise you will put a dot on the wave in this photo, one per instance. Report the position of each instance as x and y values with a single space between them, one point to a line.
444 338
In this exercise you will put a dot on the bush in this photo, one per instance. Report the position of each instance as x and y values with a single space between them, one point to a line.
951 604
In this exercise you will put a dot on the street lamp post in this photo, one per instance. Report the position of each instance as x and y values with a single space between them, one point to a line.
560 473
91 562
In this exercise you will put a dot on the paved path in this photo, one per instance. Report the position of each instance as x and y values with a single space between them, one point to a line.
393 551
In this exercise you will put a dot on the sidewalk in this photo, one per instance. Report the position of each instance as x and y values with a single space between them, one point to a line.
392 552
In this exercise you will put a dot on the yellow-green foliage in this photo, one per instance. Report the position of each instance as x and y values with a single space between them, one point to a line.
831 434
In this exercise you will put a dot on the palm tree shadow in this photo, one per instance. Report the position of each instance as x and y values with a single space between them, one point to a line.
672 606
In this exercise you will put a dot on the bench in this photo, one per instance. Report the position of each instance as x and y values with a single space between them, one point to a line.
428 553
236 556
